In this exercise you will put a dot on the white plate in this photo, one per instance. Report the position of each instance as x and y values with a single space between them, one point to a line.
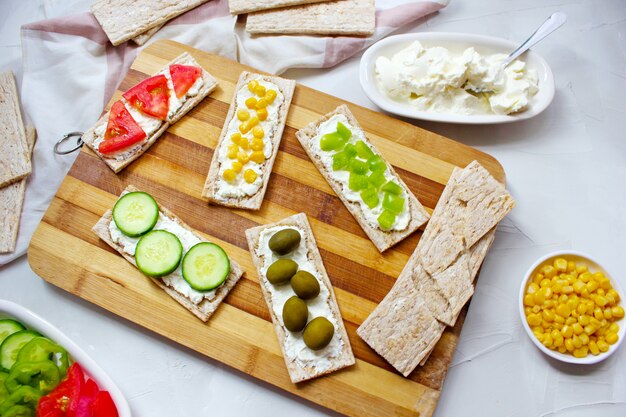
9 309
594 266
456 42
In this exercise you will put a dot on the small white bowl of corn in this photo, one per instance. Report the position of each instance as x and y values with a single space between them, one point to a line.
571 308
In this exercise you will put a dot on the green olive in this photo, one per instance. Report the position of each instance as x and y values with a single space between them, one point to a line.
284 241
318 333
281 271
295 314
305 285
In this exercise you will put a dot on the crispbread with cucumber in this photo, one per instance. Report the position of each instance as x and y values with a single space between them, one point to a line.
147 110
300 297
367 185
195 272
245 153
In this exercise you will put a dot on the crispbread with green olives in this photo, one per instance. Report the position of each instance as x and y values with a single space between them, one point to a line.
299 372
382 239
206 307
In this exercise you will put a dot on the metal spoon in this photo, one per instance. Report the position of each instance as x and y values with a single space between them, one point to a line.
550 25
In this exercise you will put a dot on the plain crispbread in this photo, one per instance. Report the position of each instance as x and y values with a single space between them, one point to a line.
14 155
248 6
383 240
124 19
145 37
208 86
211 185
301 373
205 308
341 17
11 202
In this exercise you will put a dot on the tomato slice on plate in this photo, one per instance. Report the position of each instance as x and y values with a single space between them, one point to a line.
87 399
122 130
183 77
151 96
104 406
63 400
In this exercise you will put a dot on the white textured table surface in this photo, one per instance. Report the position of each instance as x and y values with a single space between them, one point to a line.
566 168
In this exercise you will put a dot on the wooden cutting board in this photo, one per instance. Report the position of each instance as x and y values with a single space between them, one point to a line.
66 253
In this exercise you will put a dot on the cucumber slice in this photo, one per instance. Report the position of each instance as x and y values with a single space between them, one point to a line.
8 327
135 213
12 346
158 253
205 266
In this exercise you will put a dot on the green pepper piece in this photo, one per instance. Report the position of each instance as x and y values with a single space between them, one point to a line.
19 411
332 142
358 167
364 151
43 376
393 203
392 188
42 348
370 197
350 150
4 393
24 395
343 131
377 178
376 164
357 182
386 219
341 161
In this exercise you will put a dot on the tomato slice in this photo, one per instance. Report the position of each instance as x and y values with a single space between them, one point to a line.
63 400
151 96
87 399
183 77
122 130
104 405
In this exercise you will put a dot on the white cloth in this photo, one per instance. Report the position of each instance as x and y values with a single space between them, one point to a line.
70 71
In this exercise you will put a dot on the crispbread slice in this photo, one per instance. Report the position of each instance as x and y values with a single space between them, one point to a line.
248 6
145 37
117 165
11 203
299 373
14 155
383 240
206 307
124 19
341 17
211 185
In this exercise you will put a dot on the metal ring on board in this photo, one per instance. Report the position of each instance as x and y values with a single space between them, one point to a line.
79 143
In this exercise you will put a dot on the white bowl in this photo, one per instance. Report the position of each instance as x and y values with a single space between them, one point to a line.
9 309
594 266
456 42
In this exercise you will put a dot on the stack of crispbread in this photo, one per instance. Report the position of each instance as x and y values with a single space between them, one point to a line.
307 17
138 20
16 145
438 279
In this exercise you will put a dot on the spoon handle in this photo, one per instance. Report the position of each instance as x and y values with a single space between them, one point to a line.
551 24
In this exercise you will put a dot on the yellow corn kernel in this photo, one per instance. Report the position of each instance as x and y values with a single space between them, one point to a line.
571 266
607 313
547 340
581 308
584 293
569 345
560 265
538 331
250 176
545 283
583 320
596 322
578 286
600 300
585 276
597 313
529 300
548 315
592 286
558 341
237 166
563 310
584 338
557 288
578 329
577 342
262 114
572 303
605 283
611 338
261 104
546 324
259 90
614 294
617 312
562 349
244 144
257 156
581 268
548 271
270 95
244 127
570 320
258 145
527 311
243 115
563 299
567 331
233 150
614 328
254 120
548 292
236 137
600 291
258 132
536 308
602 345
252 85
568 289
229 175
582 352
251 102
548 304
590 329
611 299
559 319
533 287
593 348
243 157
537 278
539 297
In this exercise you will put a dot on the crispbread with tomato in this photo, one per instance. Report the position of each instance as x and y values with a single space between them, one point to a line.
147 110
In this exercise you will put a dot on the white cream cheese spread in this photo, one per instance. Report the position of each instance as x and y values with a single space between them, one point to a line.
342 177
437 80
239 187
174 280
295 348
